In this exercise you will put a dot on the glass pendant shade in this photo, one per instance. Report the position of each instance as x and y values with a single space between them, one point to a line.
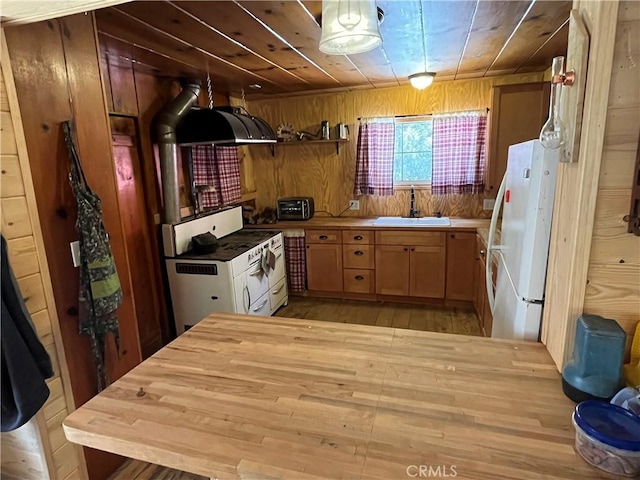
422 80
349 27
553 131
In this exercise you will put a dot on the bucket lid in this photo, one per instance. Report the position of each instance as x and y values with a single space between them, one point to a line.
609 424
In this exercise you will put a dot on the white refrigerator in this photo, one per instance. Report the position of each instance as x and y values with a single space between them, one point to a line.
526 196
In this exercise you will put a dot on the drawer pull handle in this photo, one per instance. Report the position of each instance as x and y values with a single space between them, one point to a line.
358 237
213 297
359 277
358 252
255 309
323 237
278 290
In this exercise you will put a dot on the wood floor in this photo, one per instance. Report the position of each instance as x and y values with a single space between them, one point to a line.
397 315
414 317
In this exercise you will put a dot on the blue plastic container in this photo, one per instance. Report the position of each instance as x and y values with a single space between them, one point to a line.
595 368
608 437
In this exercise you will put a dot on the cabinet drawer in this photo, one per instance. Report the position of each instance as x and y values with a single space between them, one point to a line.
394 237
357 237
358 281
358 256
323 236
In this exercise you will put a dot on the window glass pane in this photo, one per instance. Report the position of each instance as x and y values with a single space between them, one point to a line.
398 139
413 158
416 167
415 136
397 167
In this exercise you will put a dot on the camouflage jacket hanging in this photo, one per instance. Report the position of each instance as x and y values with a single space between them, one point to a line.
100 293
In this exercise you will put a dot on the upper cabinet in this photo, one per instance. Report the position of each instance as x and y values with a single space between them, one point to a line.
518 113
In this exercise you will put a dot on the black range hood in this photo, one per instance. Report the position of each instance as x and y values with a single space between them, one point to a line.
222 126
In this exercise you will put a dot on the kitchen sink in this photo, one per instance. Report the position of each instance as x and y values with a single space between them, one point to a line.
405 221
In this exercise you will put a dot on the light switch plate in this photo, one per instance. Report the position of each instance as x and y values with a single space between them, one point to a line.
488 203
354 205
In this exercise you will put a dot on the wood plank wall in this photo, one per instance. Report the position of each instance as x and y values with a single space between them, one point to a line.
56 68
316 170
594 265
613 278
39 449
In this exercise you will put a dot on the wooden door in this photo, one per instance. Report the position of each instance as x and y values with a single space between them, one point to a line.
392 270
427 272
143 265
461 266
487 318
517 115
324 267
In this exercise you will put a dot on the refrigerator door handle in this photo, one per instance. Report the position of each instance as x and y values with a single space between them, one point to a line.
491 248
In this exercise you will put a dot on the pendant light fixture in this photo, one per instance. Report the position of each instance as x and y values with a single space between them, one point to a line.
422 80
350 26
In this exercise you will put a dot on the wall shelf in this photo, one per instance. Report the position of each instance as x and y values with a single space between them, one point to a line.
337 142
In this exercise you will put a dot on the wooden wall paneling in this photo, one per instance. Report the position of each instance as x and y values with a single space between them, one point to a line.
37 442
104 68
576 192
316 170
43 77
10 177
131 199
541 21
123 89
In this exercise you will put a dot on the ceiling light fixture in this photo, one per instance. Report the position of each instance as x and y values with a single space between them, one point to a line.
422 80
350 26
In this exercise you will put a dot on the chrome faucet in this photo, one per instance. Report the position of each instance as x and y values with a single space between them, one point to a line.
412 209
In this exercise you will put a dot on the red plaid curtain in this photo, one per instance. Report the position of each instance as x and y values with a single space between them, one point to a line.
295 257
458 153
217 167
374 158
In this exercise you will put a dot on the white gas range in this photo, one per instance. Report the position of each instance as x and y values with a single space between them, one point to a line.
246 273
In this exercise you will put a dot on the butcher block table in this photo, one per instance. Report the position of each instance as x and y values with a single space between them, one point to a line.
266 398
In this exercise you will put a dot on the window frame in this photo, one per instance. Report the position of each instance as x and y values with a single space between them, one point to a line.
407 184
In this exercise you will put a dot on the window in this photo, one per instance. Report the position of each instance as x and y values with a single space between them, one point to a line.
412 162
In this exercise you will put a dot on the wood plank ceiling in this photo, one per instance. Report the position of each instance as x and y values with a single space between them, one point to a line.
275 43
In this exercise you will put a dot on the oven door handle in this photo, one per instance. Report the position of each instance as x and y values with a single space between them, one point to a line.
246 303
277 290
256 272
255 309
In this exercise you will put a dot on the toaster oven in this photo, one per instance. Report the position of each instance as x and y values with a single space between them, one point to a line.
295 208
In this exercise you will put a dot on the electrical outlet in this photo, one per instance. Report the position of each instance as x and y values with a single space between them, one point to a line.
354 205
488 203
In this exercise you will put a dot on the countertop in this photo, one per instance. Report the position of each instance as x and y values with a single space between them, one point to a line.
262 397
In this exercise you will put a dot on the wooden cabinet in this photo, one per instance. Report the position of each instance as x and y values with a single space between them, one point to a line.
414 267
480 297
392 270
324 267
359 281
324 260
427 271
517 115
461 265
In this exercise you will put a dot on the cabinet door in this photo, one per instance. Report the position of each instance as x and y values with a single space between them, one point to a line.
392 270
427 272
461 265
324 267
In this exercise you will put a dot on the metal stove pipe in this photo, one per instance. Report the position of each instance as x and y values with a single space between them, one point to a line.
165 134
